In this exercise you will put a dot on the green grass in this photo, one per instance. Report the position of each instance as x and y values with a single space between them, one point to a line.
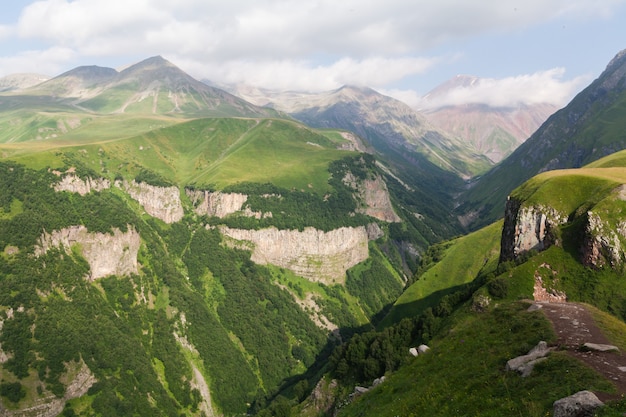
567 190
462 262
464 372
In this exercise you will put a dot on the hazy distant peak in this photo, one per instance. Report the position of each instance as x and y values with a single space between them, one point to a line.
90 72
21 81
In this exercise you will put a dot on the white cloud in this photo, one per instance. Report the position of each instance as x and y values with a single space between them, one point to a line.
49 62
289 43
283 29
540 87
307 76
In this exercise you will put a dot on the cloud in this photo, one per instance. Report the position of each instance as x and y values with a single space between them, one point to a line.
280 42
307 76
540 87
283 29
49 62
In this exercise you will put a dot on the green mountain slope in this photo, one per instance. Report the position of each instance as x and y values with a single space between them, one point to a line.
112 104
562 238
588 128
120 295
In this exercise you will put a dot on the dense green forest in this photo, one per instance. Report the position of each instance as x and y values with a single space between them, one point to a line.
240 322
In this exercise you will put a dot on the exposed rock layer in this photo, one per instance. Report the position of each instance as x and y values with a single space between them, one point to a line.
314 254
107 254
75 184
161 202
216 204
528 228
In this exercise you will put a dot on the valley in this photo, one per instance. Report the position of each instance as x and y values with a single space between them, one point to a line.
169 248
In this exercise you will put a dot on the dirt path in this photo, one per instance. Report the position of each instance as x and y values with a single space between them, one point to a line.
574 327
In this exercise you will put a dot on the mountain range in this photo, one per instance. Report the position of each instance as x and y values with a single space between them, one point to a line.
170 248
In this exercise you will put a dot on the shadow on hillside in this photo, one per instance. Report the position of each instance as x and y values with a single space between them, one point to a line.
417 307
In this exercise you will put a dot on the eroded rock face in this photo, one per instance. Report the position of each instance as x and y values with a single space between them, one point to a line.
216 204
313 254
377 202
528 228
601 244
78 378
107 254
75 184
373 196
161 202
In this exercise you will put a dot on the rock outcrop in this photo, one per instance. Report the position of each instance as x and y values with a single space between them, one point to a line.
313 254
373 197
107 253
528 228
377 202
75 184
601 245
524 364
581 404
78 378
161 202
216 203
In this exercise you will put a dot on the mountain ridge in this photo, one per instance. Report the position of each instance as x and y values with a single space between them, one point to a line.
587 129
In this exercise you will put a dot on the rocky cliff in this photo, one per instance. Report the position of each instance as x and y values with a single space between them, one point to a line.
601 244
216 203
313 254
107 253
528 228
161 202
535 227
75 184
373 197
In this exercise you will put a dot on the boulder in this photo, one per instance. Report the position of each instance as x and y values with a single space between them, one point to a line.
520 364
597 347
581 404
422 349
413 351
378 381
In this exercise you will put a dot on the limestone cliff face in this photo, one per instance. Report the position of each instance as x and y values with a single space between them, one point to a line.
107 254
313 254
602 245
373 195
216 204
75 184
161 202
528 228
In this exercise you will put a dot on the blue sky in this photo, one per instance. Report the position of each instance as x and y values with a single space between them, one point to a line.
531 50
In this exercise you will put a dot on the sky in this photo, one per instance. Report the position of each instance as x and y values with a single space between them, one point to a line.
522 50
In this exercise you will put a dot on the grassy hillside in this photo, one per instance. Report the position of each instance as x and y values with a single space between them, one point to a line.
446 267
216 152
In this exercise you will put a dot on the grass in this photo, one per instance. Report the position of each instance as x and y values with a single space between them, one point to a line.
462 262
464 372
204 152
566 190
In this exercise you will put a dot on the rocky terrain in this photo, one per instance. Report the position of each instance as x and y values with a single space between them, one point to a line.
112 253
313 254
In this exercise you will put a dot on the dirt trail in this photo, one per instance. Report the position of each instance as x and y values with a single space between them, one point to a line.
574 327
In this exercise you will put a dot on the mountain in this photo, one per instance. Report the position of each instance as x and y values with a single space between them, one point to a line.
195 267
588 128
153 86
20 81
158 262
494 131
386 123
151 93
562 242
